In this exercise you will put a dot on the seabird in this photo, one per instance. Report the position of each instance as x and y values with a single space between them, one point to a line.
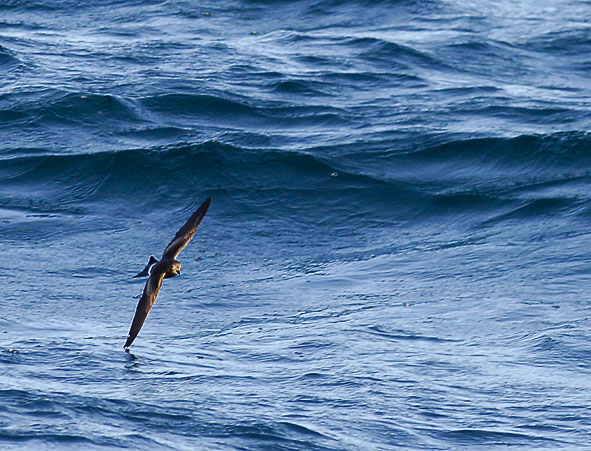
167 267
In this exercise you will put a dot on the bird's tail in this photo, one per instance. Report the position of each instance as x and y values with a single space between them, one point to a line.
146 271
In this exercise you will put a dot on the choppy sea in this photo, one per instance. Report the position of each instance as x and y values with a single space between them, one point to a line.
397 255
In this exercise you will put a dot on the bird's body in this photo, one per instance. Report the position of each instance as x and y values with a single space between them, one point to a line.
167 267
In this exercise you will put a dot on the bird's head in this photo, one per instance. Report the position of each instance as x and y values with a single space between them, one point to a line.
176 268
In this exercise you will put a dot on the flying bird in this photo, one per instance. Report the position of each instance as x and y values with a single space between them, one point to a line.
167 267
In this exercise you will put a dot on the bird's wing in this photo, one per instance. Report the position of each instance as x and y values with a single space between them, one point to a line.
186 232
149 296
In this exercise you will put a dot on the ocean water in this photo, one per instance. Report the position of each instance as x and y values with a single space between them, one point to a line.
397 252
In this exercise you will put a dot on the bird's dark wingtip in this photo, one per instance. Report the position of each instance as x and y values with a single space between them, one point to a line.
204 207
146 271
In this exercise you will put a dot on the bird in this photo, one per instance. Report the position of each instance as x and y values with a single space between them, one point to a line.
166 267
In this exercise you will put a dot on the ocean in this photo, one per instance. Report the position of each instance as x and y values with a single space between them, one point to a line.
396 256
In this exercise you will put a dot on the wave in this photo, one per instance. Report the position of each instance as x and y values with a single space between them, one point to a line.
10 63
492 179
239 111
60 414
575 41
54 107
50 108
389 54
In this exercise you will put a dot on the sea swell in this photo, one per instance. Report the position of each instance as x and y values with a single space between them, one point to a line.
490 178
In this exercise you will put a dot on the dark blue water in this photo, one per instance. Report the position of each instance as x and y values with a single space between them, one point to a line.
397 255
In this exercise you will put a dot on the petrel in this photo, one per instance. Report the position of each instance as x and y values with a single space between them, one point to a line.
167 267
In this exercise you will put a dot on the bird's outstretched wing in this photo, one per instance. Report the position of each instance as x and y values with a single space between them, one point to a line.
186 232
151 290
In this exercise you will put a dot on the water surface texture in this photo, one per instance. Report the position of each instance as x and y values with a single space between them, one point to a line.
397 255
